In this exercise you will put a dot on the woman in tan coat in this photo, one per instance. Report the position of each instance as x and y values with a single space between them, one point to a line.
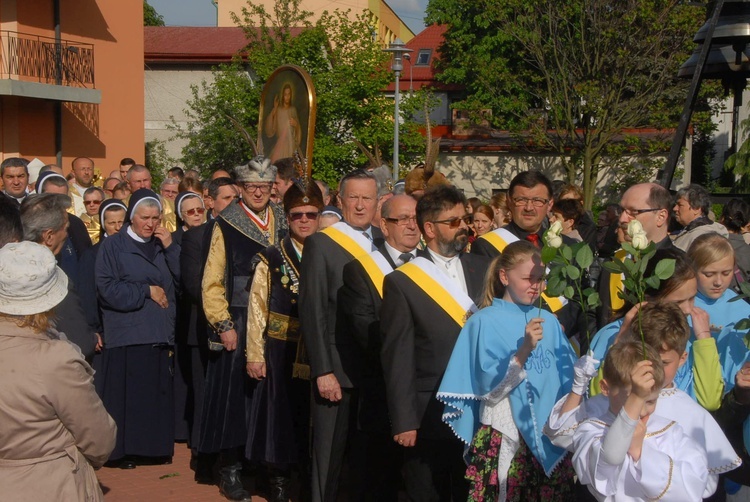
54 429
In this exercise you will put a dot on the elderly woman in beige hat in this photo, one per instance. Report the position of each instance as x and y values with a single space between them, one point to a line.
54 430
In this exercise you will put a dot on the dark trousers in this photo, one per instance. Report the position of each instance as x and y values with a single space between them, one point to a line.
434 471
330 431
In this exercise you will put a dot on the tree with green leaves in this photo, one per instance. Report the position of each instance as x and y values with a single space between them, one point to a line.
573 75
349 71
150 16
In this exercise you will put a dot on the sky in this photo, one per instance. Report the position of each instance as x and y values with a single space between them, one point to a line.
203 12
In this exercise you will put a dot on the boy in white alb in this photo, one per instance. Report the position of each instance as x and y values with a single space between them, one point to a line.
664 326
628 453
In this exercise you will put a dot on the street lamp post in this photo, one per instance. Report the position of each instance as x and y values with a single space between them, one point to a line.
398 49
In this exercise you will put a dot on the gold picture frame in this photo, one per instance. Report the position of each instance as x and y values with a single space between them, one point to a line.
287 115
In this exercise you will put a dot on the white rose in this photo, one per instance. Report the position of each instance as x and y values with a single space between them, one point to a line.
554 241
635 227
639 240
555 229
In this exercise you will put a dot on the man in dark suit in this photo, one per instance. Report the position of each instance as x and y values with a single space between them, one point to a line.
419 330
194 358
334 357
359 308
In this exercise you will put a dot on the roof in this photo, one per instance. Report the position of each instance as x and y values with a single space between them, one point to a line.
195 44
428 40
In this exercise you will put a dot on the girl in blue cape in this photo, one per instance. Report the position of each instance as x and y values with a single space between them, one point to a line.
511 363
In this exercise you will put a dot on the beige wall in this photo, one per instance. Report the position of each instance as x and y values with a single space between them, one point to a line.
105 132
389 25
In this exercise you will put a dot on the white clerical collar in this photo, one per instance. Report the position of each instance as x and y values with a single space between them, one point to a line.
135 236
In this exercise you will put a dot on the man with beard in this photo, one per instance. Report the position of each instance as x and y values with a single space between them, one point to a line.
425 304
648 203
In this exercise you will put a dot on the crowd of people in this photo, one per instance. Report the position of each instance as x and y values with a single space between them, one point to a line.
377 339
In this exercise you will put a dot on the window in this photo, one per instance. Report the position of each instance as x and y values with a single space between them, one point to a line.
423 58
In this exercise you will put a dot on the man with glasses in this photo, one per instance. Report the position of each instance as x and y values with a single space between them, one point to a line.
92 199
242 230
529 201
360 302
648 203
279 428
425 304
335 360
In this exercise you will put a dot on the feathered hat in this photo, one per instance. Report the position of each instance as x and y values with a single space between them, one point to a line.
304 191
379 169
425 175
259 169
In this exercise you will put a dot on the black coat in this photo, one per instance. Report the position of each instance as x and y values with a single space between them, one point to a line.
417 341
330 349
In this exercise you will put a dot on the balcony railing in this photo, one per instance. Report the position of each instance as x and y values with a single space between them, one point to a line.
33 58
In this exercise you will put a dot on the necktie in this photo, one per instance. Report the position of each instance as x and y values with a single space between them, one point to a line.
405 257
534 239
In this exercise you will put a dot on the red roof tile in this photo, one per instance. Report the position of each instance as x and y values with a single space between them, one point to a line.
419 76
204 44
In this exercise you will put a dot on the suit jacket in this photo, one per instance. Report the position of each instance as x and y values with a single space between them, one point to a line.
417 341
330 349
359 313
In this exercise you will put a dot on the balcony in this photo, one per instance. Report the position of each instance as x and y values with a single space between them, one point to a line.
33 66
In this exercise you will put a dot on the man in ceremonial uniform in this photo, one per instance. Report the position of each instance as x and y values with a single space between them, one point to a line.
425 304
529 201
334 357
360 302
648 203
279 426
243 229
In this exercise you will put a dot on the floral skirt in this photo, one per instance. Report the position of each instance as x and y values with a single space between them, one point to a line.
526 478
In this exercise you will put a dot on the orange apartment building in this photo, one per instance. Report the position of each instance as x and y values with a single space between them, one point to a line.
71 81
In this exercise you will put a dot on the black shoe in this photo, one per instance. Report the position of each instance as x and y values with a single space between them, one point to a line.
279 488
230 485
127 464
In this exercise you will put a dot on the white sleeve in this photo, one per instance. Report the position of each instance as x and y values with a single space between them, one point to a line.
617 441
603 479
514 376
560 426
682 477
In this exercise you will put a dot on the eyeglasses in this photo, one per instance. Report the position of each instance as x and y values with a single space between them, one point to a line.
94 202
536 201
310 215
455 222
265 188
194 211
403 221
635 212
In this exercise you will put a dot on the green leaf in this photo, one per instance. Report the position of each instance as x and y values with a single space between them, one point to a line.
584 256
742 324
588 291
548 254
567 252
573 272
665 268
553 282
746 339
593 300
653 282
614 267
569 292
628 247
557 290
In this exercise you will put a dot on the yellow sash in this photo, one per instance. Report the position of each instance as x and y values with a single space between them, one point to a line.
376 267
346 241
438 292
499 243
615 284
